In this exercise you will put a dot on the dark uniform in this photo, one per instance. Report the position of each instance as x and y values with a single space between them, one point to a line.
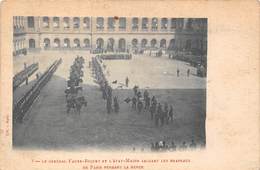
158 114
171 114
178 72
140 106
126 81
116 105
134 100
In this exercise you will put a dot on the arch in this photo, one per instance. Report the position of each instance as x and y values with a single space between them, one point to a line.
172 44
56 22
154 24
46 22
86 22
153 43
86 43
110 45
56 43
66 22
66 43
47 43
76 22
143 43
122 45
31 43
163 43
100 43
76 43
134 43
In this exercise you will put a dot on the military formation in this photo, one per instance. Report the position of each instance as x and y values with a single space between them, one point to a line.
74 92
112 103
161 114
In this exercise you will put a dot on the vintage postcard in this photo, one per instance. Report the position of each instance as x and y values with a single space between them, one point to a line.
105 85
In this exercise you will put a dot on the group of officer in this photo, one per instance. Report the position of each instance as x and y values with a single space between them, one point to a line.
160 114
106 89
74 95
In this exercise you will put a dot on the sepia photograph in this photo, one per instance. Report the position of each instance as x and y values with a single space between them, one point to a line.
109 83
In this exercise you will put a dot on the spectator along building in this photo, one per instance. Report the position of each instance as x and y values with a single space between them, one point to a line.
110 34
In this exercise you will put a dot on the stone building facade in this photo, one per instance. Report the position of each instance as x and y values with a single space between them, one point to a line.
110 34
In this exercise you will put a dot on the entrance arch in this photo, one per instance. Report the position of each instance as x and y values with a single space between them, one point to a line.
122 45
110 45
100 43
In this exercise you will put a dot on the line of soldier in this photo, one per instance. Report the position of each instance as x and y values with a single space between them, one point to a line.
163 146
74 96
107 92
161 115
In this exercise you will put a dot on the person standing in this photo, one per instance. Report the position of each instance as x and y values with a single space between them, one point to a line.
139 106
178 72
158 114
171 114
188 72
116 105
165 113
134 100
126 81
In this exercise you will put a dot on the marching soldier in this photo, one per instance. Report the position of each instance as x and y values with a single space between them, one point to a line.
147 103
152 110
158 114
134 100
116 105
171 114
109 105
139 106
165 113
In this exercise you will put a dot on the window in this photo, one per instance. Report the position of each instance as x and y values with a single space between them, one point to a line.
66 22
111 23
45 22
122 23
145 23
173 23
164 23
154 24
30 21
86 23
135 24
100 23
31 43
76 22
56 22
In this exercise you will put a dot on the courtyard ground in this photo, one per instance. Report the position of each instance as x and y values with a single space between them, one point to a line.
48 126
